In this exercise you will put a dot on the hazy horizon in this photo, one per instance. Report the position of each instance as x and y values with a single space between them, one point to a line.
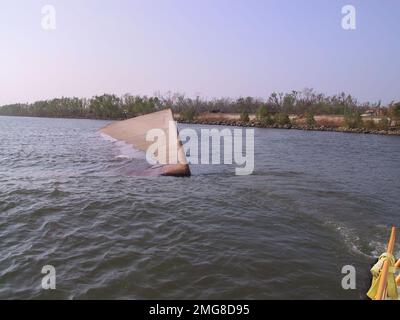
211 48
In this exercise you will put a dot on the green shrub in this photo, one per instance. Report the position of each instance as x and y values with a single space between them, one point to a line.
188 114
282 119
244 116
262 113
264 116
383 124
310 120
268 121
352 120
394 111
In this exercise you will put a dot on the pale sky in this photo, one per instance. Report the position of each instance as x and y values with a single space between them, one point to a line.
214 48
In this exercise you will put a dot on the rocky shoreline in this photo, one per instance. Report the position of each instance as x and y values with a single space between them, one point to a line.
256 124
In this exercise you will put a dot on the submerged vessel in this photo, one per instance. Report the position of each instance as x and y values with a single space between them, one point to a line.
385 284
169 158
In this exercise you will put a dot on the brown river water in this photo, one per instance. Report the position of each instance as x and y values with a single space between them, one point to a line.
317 201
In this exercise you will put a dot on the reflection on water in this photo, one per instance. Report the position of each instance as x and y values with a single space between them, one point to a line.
317 201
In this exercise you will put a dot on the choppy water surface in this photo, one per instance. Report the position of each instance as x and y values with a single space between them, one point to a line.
317 201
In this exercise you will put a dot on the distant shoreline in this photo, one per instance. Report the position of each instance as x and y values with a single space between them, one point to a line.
234 120
231 120
255 124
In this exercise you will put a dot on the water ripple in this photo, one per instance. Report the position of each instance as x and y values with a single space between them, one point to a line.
314 204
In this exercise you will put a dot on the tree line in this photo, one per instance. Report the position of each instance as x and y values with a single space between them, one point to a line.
278 105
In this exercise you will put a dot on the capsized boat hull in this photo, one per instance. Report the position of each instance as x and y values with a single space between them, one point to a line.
133 132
